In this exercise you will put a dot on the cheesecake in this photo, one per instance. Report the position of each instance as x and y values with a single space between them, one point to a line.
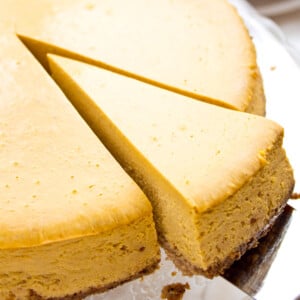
198 48
217 179
72 221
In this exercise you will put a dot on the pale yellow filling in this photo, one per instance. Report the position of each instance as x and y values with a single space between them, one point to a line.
77 265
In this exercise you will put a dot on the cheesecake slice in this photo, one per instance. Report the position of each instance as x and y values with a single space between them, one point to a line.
199 48
217 179
72 221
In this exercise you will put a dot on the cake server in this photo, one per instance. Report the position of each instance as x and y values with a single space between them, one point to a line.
271 271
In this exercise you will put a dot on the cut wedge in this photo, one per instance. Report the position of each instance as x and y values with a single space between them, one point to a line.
217 179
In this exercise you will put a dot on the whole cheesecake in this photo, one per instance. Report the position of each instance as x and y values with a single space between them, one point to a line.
217 179
199 48
72 221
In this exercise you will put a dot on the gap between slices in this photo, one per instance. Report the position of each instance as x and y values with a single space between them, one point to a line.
40 50
217 179
189 48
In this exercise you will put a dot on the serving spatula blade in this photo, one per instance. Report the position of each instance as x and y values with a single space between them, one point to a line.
271 271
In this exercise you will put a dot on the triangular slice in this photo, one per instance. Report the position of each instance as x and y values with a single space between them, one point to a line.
72 221
217 178
199 48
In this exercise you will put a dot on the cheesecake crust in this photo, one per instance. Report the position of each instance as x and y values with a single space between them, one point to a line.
100 289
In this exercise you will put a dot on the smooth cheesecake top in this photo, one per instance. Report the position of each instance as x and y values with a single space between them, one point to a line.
198 47
207 153
57 180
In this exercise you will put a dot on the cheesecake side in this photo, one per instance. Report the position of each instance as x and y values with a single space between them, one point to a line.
257 104
71 269
227 230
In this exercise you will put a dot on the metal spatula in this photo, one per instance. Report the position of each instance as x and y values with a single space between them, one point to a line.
272 270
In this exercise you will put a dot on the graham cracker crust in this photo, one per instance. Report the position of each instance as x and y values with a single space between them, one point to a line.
219 267
174 291
94 290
